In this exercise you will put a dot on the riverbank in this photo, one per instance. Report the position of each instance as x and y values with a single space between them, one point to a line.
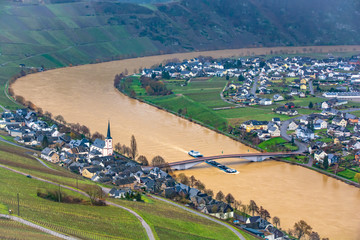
342 179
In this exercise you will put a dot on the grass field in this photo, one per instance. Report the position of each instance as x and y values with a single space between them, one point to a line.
273 144
16 230
170 223
349 174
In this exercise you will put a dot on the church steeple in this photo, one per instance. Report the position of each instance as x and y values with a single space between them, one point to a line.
108 136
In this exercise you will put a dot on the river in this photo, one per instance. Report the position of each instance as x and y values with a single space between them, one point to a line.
85 94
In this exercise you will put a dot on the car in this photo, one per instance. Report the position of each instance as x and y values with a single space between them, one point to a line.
29 176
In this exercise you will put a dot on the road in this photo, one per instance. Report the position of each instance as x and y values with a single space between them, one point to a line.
311 87
144 224
33 225
253 88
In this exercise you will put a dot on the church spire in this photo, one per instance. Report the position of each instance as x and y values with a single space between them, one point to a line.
108 131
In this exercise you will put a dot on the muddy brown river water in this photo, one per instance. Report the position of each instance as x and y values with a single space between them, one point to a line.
85 94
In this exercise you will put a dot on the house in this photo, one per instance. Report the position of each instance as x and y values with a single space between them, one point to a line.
289 105
220 210
119 193
254 124
304 133
320 124
278 97
319 155
277 121
90 172
50 155
286 111
274 131
332 159
303 87
292 126
265 101
339 122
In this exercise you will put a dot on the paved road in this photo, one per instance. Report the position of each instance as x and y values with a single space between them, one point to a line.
33 225
311 87
144 224
253 88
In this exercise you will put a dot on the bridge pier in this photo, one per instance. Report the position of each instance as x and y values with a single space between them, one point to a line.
185 166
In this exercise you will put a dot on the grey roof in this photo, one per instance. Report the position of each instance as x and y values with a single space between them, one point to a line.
99 143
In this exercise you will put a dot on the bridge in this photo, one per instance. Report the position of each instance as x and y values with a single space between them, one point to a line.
254 157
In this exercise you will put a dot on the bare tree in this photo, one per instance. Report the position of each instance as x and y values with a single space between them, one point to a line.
199 185
133 146
209 192
220 196
97 135
253 207
143 160
229 198
314 236
117 147
157 161
85 130
192 181
276 221
301 228
182 178
48 114
20 99
95 193
59 118
237 204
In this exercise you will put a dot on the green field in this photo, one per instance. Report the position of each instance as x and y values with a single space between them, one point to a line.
10 228
274 144
349 174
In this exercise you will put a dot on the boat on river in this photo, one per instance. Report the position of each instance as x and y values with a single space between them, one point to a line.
195 154
222 167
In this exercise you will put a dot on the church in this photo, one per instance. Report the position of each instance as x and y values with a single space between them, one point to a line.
103 147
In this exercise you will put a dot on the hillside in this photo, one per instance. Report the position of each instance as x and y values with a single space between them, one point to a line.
85 221
59 33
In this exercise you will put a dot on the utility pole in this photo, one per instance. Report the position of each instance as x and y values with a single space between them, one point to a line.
77 185
18 200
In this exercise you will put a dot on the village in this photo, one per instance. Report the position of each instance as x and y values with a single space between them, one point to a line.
96 160
317 100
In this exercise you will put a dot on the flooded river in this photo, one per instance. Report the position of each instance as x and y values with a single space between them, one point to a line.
85 95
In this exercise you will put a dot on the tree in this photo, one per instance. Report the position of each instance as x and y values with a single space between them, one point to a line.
229 198
95 193
182 178
45 142
97 135
117 147
209 192
241 78
143 160
48 114
220 196
314 236
266 214
357 177
227 77
133 147
326 162
311 105
165 75
253 207
20 99
40 111
85 130
157 161
237 204
199 185
59 118
192 181
276 221
301 228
